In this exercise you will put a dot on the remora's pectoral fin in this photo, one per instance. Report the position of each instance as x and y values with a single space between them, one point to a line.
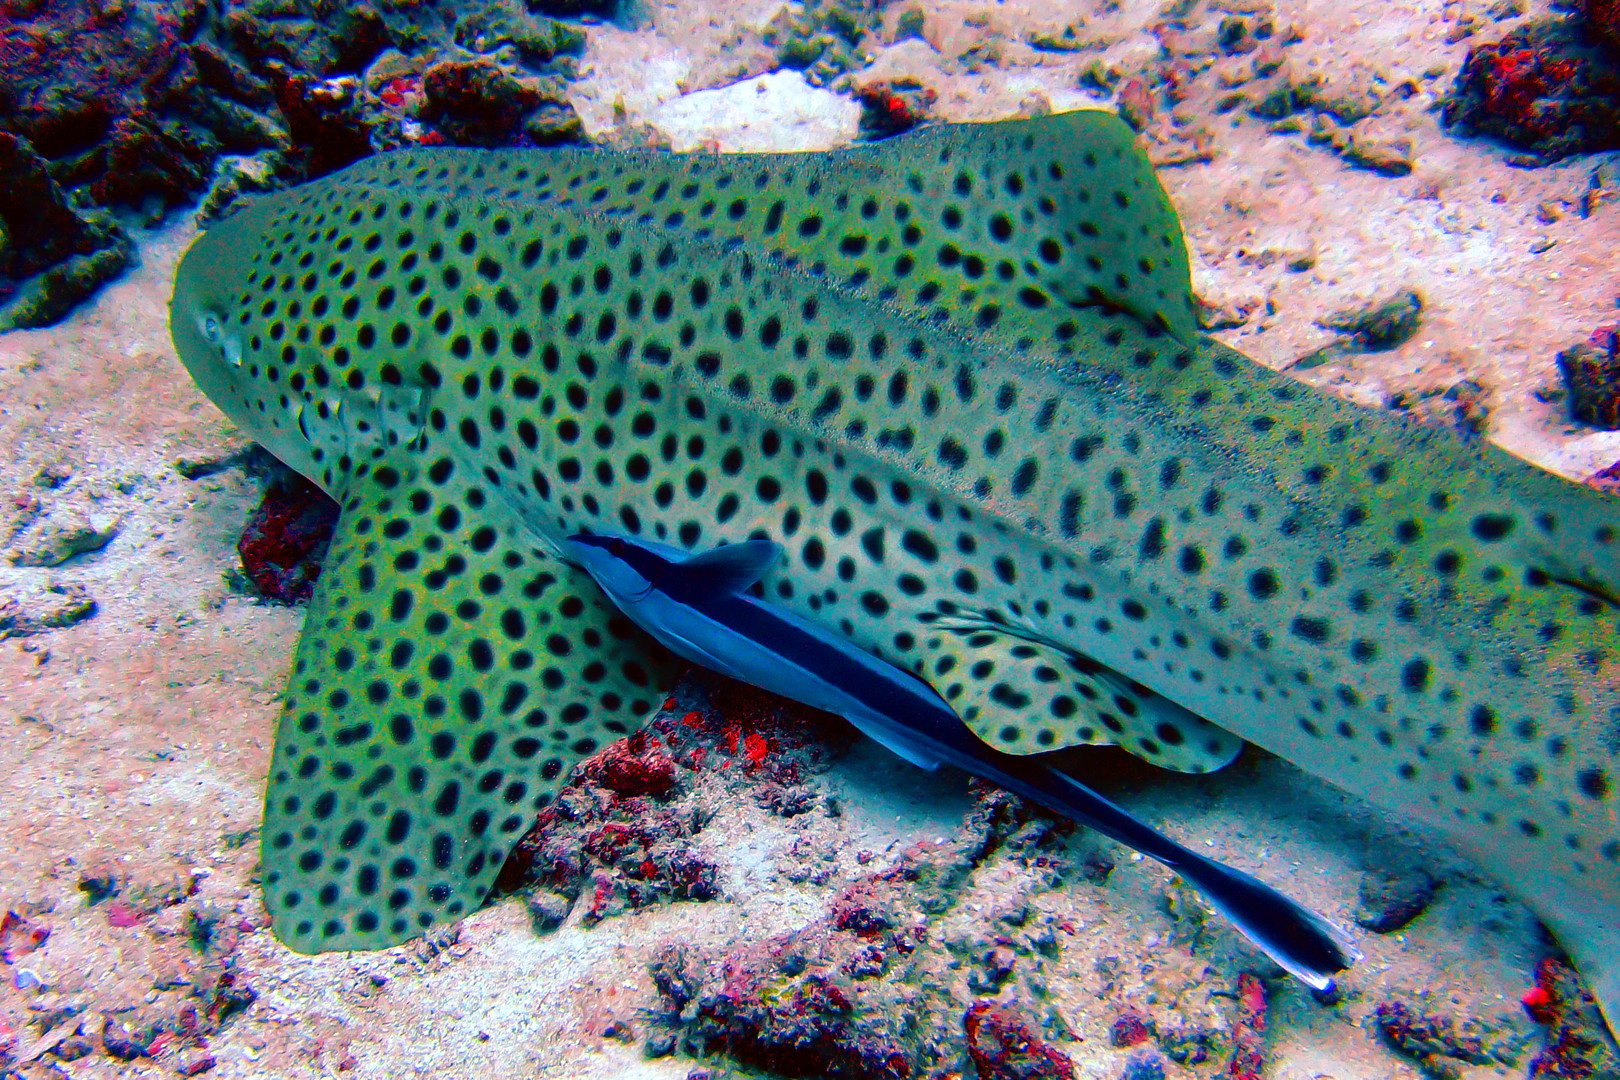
727 569
449 676
1028 697
886 735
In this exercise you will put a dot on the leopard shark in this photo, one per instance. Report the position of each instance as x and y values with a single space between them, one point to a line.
957 377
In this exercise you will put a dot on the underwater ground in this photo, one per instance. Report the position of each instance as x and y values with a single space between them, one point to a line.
744 888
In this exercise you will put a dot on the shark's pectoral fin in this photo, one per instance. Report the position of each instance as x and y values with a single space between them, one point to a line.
449 676
1024 696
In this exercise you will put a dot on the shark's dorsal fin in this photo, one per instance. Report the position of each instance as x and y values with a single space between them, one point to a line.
1039 222
725 570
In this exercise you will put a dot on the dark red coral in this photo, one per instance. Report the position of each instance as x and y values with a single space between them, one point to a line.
1603 19
861 908
1130 1028
70 69
476 102
1578 1044
610 831
151 158
1545 87
1591 373
286 538
891 107
328 126
638 765
1005 1047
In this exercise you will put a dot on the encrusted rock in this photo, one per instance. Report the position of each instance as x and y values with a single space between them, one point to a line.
26 609
1005 1047
1578 1043
548 909
1433 1040
53 256
1390 899
1249 1033
307 36
233 178
506 22
1592 374
57 532
821 37
1545 87
1143 1065
1383 325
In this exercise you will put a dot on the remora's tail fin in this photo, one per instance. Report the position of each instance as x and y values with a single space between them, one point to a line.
1307 946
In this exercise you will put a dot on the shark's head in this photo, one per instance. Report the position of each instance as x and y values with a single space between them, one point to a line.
210 342
244 330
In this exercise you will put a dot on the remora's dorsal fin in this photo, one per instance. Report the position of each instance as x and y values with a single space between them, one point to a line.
449 676
727 569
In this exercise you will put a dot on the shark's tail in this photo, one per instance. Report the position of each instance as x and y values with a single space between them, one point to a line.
1306 945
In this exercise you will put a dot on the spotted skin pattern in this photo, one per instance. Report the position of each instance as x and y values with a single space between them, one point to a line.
955 376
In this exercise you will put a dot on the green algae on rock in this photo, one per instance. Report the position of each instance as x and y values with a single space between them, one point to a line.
52 255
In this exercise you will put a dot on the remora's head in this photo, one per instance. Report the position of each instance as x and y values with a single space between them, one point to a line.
241 327
625 571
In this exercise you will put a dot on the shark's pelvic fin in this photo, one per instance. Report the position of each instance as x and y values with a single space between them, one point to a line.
1023 695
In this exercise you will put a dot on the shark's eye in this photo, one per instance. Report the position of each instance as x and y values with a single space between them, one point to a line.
210 327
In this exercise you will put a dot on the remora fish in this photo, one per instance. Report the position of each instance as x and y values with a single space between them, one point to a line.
956 376
695 606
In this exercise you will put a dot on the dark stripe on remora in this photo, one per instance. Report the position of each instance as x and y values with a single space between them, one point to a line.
895 694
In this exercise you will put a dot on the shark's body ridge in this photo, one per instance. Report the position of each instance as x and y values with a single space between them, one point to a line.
957 378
